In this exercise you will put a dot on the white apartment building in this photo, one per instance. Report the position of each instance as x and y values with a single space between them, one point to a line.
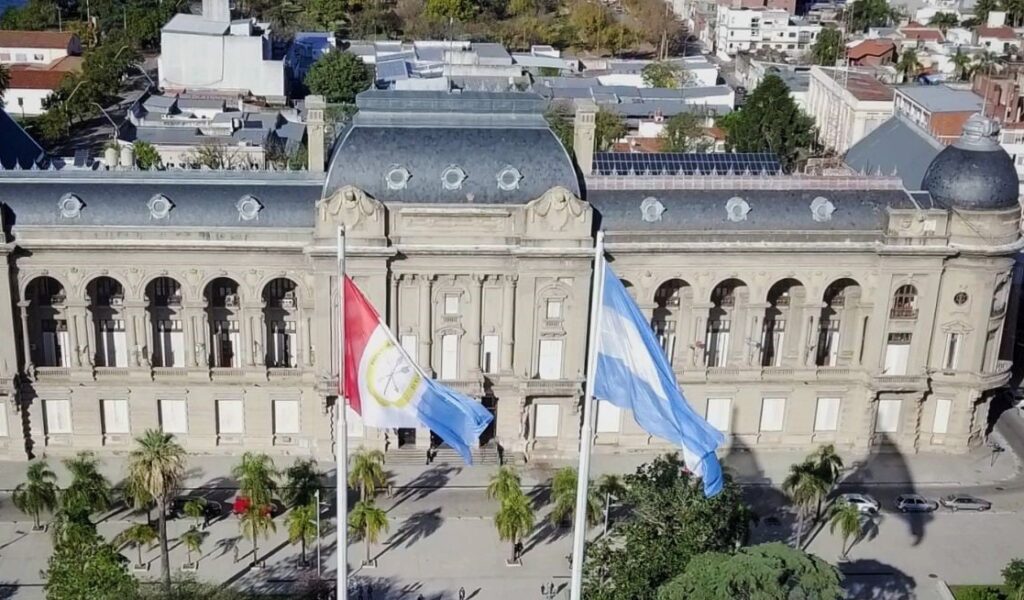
741 29
36 47
847 106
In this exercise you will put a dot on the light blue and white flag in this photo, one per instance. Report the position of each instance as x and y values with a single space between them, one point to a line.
632 372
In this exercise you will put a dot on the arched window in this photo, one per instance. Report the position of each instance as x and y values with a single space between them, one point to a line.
669 299
106 298
904 303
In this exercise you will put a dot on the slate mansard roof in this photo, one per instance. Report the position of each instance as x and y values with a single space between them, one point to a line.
459 148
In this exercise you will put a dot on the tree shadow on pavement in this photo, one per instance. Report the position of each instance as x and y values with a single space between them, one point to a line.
886 465
774 517
869 579
417 526
425 484
8 589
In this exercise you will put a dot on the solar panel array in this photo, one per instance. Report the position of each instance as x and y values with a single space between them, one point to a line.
686 163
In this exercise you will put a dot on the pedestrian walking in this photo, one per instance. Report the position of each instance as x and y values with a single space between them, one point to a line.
462 593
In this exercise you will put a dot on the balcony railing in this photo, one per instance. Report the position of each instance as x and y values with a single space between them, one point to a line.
903 312
53 371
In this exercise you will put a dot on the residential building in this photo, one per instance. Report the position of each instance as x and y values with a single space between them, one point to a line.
915 35
210 52
795 310
36 47
751 71
996 39
746 29
898 148
940 110
847 105
31 85
871 53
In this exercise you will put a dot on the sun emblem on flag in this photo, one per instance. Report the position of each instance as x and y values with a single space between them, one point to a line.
392 379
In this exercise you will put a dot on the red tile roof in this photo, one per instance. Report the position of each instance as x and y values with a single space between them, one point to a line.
870 48
1003 32
916 31
36 79
35 39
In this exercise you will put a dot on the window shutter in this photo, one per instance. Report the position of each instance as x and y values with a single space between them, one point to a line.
354 422
230 417
547 421
549 363
887 420
942 409
409 345
826 417
449 356
720 413
3 421
115 417
174 416
609 417
773 412
286 417
58 416
490 358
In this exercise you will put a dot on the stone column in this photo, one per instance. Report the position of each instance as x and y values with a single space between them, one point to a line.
71 322
753 341
128 315
810 342
393 302
858 340
26 344
476 302
697 352
260 333
508 323
426 311
300 336
89 323
192 341
245 334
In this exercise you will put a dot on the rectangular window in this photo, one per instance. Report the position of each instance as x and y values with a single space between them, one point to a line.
547 421
58 416
226 344
609 417
115 417
829 353
942 409
489 362
554 309
3 422
549 361
773 414
169 344
111 344
56 345
718 343
451 304
286 417
449 356
952 357
719 413
826 417
281 350
5 57
772 338
173 416
887 420
38 57
230 417
666 332
354 423
409 345
897 354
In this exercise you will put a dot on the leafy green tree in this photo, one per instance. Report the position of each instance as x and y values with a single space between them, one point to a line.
963 65
195 509
609 486
684 133
521 8
944 21
590 21
257 478
283 16
157 466
146 156
771 122
255 522
84 567
983 7
673 523
367 473
663 74
805 487
339 76
137 536
504 484
460 10
869 13
828 48
303 481
560 120
193 541
514 520
38 493
829 466
980 593
35 15
908 64
767 572
89 491
609 127
368 522
845 517
1013 579
190 589
301 523
563 494
326 14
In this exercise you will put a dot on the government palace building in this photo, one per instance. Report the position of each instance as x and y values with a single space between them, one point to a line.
795 309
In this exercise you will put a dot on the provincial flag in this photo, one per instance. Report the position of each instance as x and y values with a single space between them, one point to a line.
388 389
632 372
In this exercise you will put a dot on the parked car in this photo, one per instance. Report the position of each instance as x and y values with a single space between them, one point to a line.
915 503
211 508
864 502
957 502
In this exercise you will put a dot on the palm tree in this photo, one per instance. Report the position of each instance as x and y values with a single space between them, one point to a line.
828 463
37 493
156 466
504 483
89 490
367 473
983 7
563 493
194 509
908 63
962 64
514 520
301 522
805 487
193 540
138 535
368 521
256 521
303 483
256 476
846 518
610 486
944 21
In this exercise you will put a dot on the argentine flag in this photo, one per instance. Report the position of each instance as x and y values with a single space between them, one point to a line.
632 372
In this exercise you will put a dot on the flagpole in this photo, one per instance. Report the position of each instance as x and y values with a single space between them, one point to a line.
341 448
586 432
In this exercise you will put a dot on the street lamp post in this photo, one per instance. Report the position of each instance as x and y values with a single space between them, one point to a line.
318 563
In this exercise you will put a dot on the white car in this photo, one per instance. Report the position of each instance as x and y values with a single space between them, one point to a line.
863 502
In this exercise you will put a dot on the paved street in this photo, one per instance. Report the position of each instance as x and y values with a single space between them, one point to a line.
442 535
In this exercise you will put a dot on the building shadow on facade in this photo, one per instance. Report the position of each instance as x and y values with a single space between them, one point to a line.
869 579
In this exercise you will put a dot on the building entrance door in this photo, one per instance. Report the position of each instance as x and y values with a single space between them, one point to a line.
406 437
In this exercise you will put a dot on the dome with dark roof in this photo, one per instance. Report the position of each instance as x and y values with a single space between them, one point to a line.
974 173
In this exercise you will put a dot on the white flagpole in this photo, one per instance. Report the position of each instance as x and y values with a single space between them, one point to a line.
586 432
341 447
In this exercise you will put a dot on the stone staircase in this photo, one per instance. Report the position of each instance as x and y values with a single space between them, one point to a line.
444 455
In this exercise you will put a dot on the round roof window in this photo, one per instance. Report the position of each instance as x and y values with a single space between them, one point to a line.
509 178
452 177
248 208
397 177
159 206
70 206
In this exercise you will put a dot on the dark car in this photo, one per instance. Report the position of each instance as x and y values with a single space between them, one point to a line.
211 508
955 502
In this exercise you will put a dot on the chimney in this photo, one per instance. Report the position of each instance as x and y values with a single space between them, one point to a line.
315 106
217 10
583 134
